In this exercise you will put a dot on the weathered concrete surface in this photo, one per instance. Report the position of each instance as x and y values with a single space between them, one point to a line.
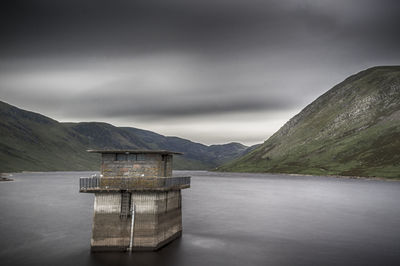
136 165
158 220
108 230
147 177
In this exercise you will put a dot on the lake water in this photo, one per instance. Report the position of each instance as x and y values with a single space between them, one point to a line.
228 219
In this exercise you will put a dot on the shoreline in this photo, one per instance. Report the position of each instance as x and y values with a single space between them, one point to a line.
333 176
5 178
352 177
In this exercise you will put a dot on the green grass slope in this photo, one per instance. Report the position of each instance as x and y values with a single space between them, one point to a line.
351 130
106 136
33 142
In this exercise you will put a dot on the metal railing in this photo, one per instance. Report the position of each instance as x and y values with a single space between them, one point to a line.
177 181
133 183
89 182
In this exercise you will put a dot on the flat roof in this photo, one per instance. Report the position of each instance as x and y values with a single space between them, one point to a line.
136 151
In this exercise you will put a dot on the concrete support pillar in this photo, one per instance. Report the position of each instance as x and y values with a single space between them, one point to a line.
158 220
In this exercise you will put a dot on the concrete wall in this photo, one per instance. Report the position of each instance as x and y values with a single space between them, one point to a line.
158 220
108 230
136 165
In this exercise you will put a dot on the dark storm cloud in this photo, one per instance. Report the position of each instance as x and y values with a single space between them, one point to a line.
128 27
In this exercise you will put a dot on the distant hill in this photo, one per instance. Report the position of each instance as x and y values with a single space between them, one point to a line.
33 142
352 130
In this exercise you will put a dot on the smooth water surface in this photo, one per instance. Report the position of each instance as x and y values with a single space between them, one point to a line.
228 219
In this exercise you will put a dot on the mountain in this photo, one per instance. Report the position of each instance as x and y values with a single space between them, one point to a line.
351 130
196 155
33 142
30 141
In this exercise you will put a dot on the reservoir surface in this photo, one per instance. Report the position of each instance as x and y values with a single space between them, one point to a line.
228 219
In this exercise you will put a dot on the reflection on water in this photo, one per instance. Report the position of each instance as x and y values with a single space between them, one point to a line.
228 219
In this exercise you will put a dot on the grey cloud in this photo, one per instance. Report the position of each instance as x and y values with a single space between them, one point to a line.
149 59
127 98
191 103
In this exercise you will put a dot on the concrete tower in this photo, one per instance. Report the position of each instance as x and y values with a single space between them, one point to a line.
137 202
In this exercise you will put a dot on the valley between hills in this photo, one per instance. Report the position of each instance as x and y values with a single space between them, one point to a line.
351 130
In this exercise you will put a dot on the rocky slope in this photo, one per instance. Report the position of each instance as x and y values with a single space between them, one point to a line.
353 129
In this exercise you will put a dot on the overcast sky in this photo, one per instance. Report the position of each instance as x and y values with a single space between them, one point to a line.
212 71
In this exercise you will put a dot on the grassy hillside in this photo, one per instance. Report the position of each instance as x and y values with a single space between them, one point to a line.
353 129
33 142
196 156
